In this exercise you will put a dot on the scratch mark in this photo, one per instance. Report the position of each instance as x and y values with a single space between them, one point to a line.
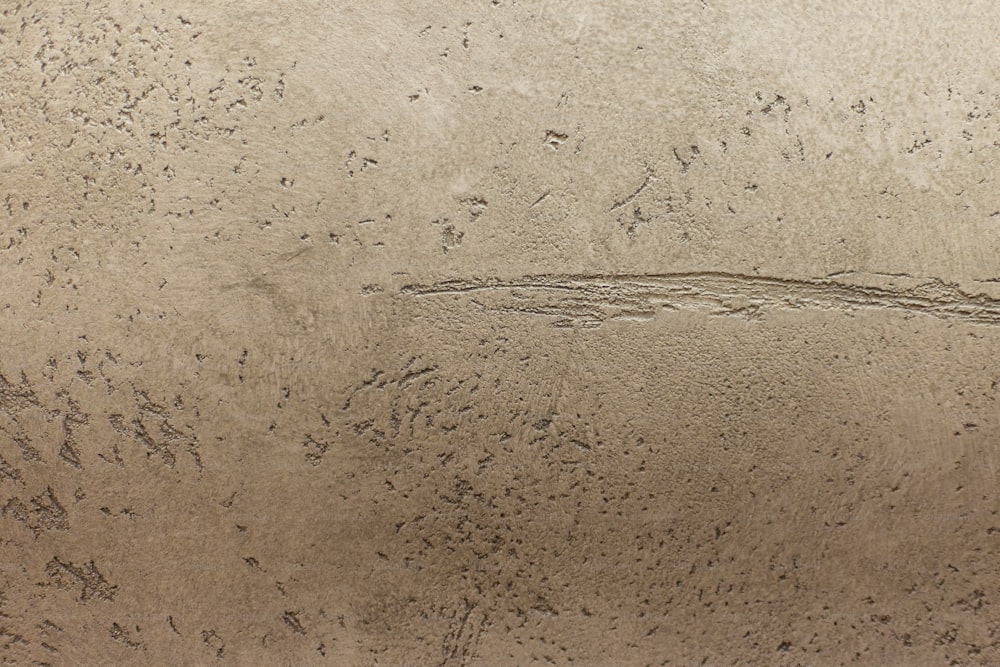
628 200
540 199
291 619
591 300
376 374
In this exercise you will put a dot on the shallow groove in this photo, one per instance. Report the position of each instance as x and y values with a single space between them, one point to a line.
590 300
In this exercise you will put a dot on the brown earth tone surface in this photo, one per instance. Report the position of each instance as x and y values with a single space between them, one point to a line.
497 332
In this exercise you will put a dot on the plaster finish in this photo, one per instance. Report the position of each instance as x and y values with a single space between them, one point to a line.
499 332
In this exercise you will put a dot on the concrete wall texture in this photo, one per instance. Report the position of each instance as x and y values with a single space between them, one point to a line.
499 332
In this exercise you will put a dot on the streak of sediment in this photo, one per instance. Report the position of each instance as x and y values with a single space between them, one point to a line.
590 300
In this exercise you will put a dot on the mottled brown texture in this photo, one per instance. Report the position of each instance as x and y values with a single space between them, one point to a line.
497 332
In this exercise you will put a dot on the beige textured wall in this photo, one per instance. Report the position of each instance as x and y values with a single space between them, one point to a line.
498 332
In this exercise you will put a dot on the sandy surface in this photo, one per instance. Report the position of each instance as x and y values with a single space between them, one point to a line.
499 332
